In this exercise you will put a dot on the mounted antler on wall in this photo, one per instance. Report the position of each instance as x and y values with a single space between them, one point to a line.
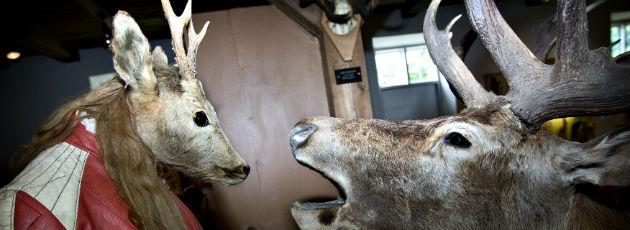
336 24
334 14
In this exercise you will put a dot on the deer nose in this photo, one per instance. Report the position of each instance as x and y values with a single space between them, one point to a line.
299 135
246 170
241 171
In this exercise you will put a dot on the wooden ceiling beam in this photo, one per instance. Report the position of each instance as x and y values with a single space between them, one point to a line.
308 17
38 40
98 11
411 8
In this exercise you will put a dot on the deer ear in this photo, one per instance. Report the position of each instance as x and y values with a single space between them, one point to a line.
132 58
603 161
159 57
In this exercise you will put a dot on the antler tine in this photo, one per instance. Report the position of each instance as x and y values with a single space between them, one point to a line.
444 56
572 47
194 39
186 59
514 59
545 33
177 25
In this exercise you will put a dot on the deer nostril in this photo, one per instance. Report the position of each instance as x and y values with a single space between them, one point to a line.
246 170
299 134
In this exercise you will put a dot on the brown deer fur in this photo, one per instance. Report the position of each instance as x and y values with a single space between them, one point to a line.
401 175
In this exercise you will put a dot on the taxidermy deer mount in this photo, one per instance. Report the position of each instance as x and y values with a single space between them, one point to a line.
488 167
93 163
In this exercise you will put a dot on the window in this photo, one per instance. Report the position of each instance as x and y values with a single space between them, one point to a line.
403 60
620 33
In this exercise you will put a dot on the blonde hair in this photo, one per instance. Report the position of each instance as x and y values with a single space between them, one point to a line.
128 161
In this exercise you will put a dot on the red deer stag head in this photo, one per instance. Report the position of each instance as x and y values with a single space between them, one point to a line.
488 167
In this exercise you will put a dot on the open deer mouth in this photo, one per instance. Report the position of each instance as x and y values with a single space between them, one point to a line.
319 204
299 143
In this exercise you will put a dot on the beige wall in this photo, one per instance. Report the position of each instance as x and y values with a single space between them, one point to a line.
263 73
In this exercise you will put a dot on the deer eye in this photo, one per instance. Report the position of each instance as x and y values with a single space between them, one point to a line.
457 140
201 119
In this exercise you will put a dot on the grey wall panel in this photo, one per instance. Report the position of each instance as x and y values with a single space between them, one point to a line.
415 102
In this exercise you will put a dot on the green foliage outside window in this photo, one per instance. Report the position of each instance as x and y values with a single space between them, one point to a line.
404 66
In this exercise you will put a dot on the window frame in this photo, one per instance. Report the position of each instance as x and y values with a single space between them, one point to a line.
623 34
409 84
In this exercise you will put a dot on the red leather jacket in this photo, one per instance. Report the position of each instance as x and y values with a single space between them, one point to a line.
67 187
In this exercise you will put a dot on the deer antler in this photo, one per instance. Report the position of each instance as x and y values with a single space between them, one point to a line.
546 39
449 63
582 82
186 59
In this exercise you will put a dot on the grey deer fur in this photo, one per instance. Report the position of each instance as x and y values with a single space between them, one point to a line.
166 99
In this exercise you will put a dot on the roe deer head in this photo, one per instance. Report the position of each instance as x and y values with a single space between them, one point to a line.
174 118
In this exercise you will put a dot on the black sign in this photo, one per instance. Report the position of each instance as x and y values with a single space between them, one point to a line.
348 75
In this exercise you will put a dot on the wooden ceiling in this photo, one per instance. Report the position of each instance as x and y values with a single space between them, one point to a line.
59 28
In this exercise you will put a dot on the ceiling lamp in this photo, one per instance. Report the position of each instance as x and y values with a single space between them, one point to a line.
13 55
